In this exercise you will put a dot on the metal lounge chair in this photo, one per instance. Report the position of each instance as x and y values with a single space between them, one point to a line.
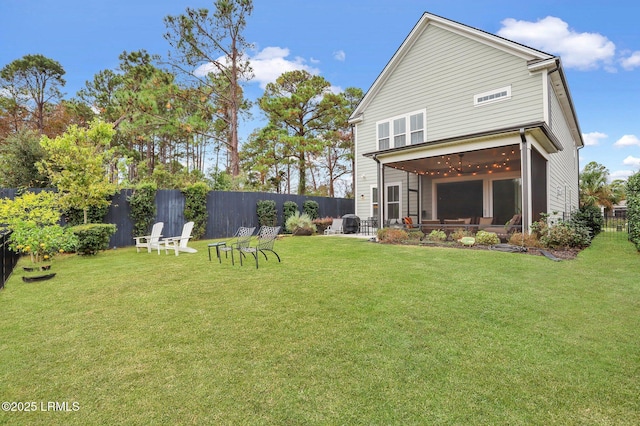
241 238
150 241
266 238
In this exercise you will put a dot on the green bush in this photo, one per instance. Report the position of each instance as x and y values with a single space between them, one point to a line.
633 208
289 208
485 238
95 214
195 207
591 217
267 213
414 234
142 203
566 234
41 242
93 237
311 208
300 224
437 235
392 235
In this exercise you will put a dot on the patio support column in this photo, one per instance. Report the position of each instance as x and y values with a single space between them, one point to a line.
380 178
526 180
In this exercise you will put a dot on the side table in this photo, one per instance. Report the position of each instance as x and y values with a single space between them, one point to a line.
217 246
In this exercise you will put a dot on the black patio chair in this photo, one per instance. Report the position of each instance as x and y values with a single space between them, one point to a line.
267 236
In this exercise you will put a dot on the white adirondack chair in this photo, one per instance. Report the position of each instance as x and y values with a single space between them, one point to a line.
179 244
152 241
334 228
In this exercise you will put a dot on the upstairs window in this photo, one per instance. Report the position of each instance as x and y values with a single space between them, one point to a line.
402 130
383 135
492 96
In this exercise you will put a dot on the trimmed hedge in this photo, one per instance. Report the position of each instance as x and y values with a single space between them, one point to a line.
93 237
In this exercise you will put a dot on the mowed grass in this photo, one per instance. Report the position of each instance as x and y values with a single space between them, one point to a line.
343 331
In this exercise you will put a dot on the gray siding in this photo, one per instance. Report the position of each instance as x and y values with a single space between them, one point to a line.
563 165
441 73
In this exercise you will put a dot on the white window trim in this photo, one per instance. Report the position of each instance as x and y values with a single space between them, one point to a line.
496 95
371 189
386 201
407 127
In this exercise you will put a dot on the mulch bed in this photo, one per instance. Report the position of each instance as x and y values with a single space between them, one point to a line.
564 254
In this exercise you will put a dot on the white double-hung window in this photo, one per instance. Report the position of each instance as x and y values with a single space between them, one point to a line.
402 130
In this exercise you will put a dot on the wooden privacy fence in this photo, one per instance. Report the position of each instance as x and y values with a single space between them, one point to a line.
227 211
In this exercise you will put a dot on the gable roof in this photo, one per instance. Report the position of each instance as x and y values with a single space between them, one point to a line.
536 61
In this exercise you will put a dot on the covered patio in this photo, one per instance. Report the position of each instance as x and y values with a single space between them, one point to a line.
459 182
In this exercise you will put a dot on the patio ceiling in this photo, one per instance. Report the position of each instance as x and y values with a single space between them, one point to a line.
469 163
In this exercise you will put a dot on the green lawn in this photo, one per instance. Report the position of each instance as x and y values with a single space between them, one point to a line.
343 331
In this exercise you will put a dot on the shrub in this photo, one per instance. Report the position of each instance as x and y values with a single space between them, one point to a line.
524 240
566 234
300 224
392 235
633 208
41 242
322 223
93 237
142 203
414 235
460 233
195 207
591 217
485 238
437 235
311 208
289 208
267 213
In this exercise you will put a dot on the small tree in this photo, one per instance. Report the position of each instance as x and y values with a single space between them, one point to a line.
76 163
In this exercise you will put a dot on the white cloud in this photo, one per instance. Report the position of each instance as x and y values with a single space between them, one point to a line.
632 61
271 62
593 138
632 161
267 64
620 174
339 55
583 51
627 140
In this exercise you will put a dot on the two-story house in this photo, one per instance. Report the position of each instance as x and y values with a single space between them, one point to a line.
462 123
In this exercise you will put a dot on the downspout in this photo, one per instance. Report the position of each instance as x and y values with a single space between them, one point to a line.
524 153
380 182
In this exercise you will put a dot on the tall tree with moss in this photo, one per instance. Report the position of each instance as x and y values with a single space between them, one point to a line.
77 164
210 47
33 81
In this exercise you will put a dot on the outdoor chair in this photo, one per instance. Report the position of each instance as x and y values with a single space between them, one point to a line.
429 225
484 222
179 244
334 228
266 238
503 231
150 241
241 238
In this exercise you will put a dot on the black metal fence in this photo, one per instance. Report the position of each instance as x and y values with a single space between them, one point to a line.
9 258
615 223
227 211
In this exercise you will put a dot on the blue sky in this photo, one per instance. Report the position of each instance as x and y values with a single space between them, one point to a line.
350 42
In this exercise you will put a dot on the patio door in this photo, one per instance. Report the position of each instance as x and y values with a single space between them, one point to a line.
460 199
507 199
392 201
